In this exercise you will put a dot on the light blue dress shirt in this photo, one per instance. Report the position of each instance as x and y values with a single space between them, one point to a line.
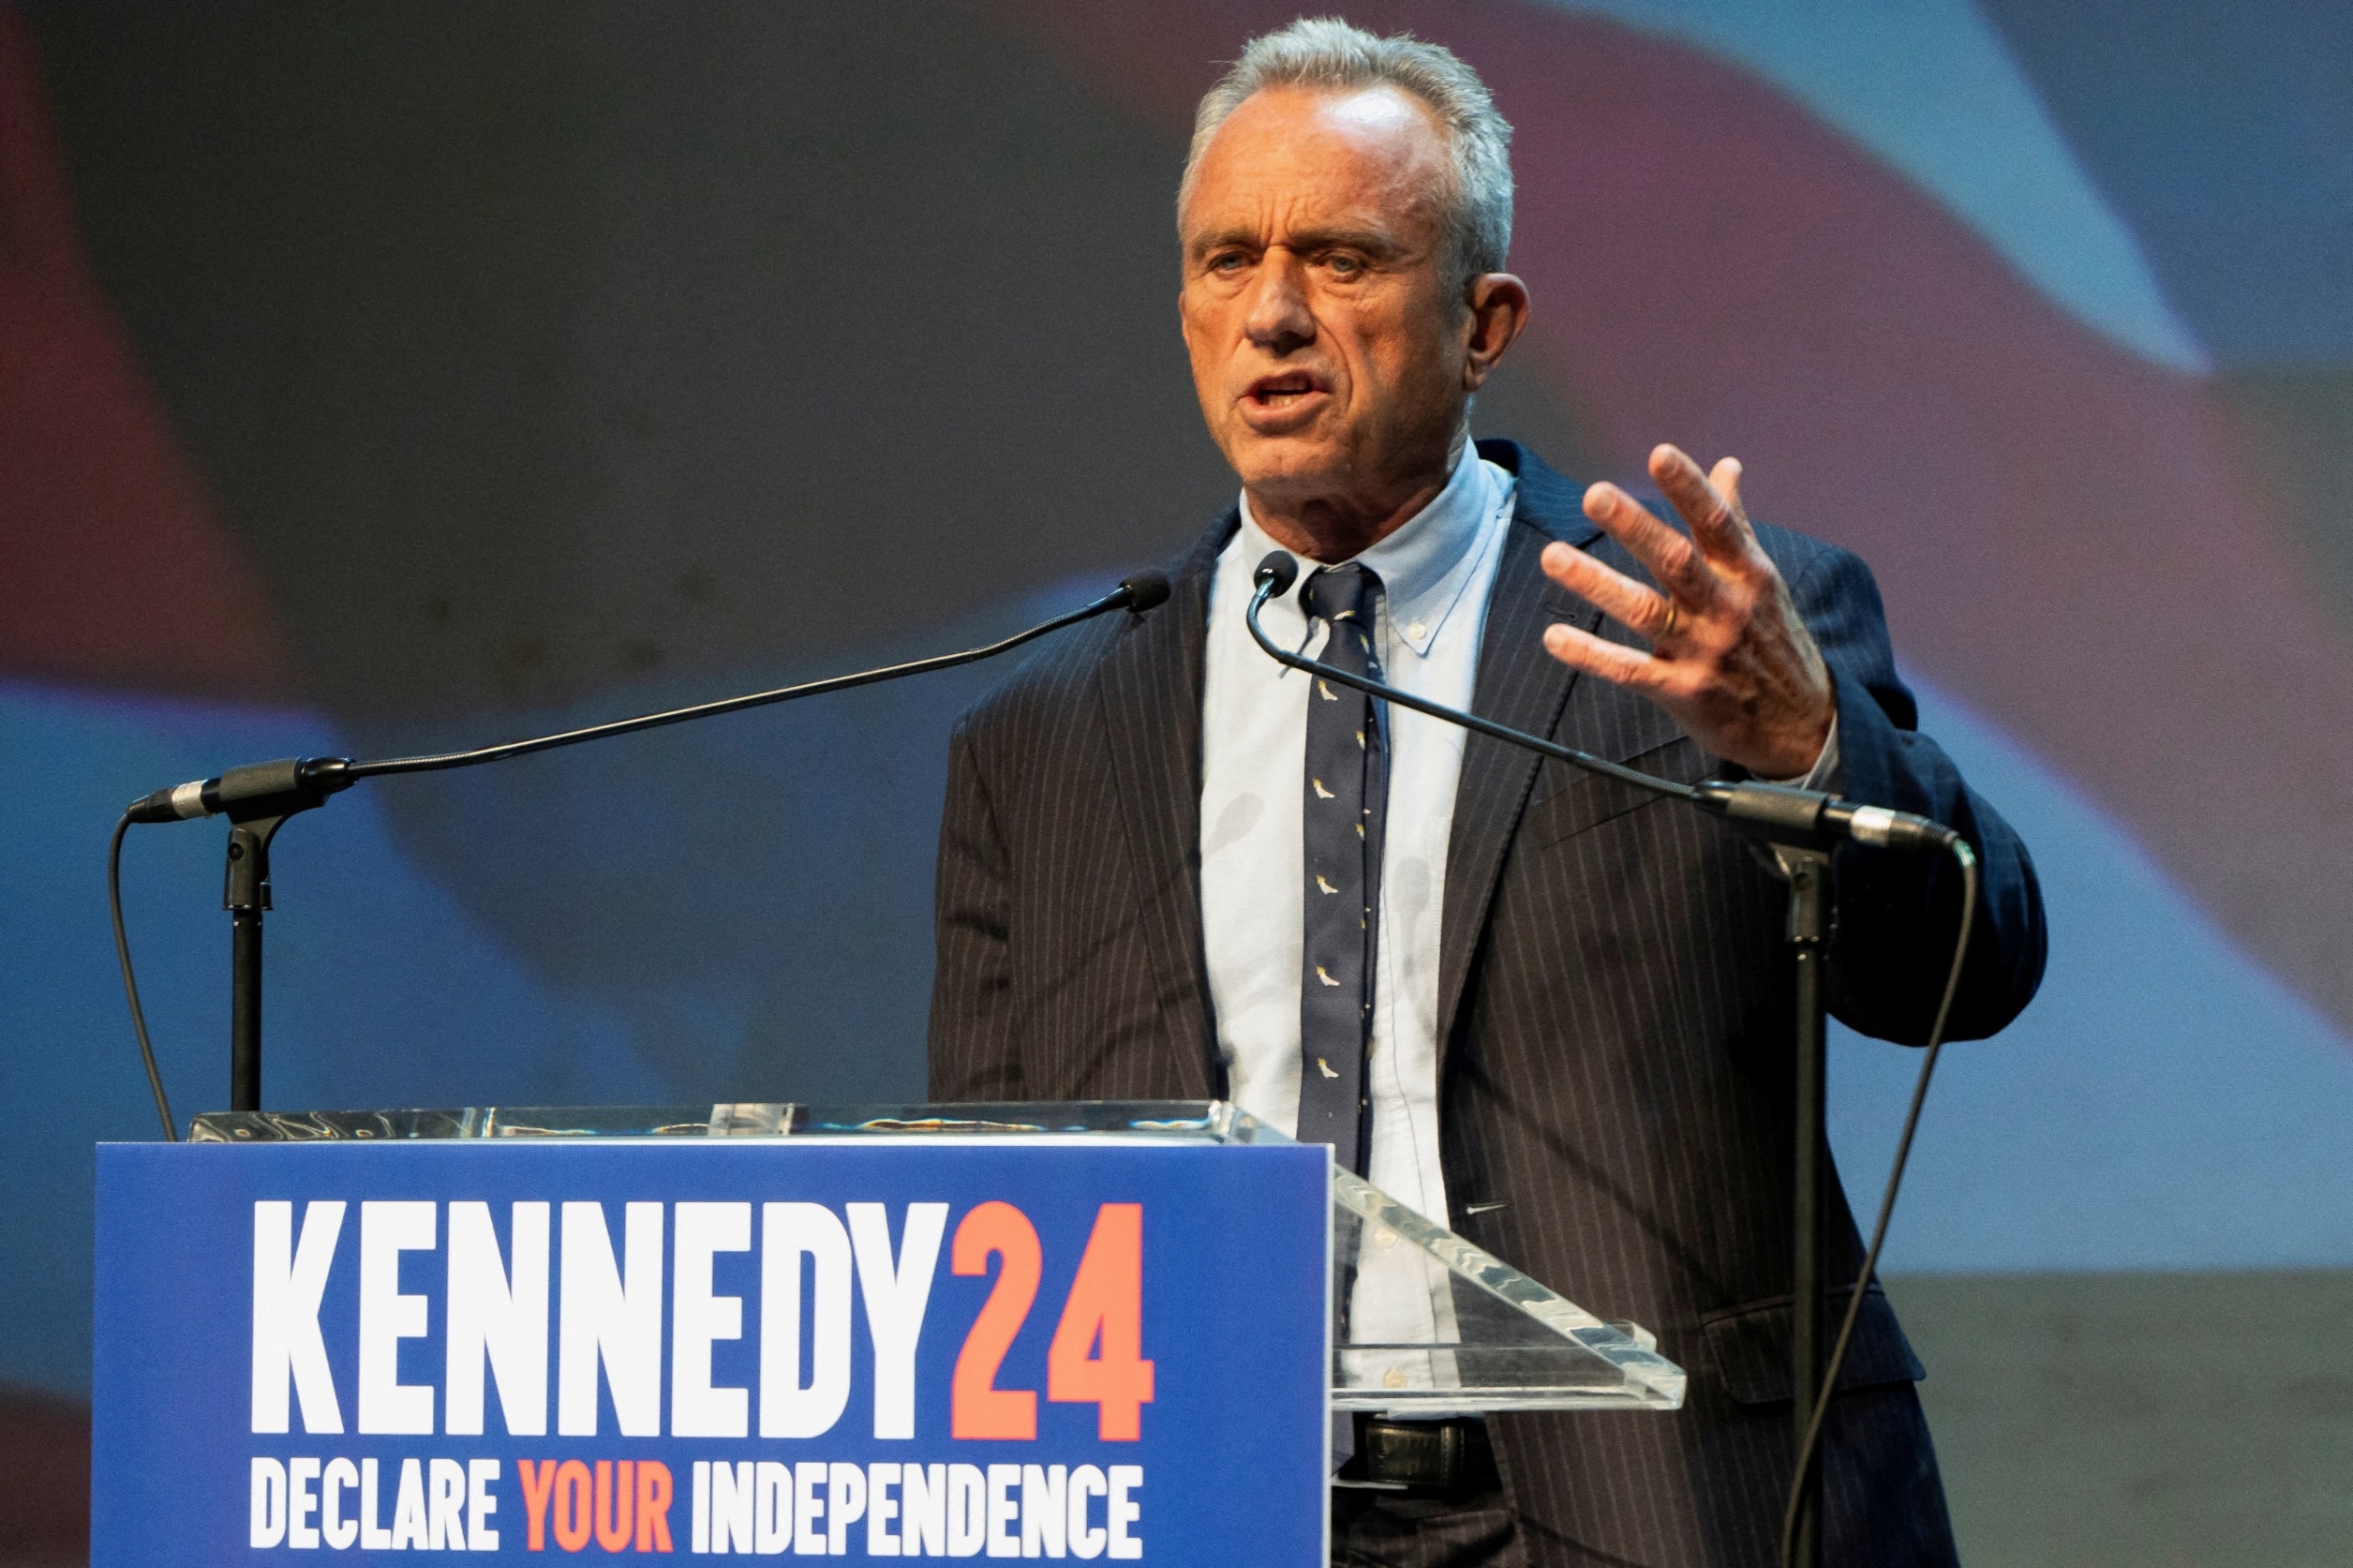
1436 573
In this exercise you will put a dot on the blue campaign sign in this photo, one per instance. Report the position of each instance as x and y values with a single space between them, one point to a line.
1098 1350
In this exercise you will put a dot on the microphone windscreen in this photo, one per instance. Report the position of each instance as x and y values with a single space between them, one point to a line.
1147 591
1280 567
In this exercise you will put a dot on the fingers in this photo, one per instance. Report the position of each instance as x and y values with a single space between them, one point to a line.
1710 503
1612 661
1673 559
1730 660
1619 596
1615 663
1710 577
1725 477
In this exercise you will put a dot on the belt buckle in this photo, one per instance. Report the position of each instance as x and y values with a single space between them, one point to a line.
1408 1455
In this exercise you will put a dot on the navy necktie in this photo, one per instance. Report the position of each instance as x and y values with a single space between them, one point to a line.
1346 792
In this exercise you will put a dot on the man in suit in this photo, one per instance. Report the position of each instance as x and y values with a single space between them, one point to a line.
1538 1006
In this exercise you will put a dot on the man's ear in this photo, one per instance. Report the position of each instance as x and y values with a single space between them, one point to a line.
1497 306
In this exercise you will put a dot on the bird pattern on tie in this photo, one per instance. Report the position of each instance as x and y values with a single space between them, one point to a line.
1346 791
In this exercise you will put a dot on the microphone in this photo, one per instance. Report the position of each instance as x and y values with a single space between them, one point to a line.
1144 590
279 789
1276 572
1777 813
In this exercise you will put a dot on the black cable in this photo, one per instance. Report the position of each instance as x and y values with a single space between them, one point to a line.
131 983
1808 1449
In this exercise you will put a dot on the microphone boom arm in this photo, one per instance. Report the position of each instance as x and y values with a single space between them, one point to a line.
259 798
1268 588
1795 819
295 784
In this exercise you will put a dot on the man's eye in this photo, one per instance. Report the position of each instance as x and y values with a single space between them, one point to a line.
1230 262
1343 265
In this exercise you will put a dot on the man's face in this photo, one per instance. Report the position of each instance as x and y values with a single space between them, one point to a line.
1327 344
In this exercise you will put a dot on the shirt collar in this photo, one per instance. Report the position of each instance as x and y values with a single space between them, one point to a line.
1425 565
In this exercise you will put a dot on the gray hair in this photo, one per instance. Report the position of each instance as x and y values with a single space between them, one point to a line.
1325 52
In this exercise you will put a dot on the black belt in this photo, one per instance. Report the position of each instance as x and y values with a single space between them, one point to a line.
1452 1457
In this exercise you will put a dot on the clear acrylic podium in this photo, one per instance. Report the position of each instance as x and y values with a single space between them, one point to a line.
1495 1340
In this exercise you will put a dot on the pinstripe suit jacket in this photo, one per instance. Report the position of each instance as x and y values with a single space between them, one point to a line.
1614 1010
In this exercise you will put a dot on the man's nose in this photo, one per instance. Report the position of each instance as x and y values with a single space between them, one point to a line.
1279 320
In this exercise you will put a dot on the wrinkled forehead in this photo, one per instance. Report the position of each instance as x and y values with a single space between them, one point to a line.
1289 154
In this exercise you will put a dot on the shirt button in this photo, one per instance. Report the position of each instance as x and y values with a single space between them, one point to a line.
1414 630
1393 1377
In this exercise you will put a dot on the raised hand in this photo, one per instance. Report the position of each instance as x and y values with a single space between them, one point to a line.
1729 660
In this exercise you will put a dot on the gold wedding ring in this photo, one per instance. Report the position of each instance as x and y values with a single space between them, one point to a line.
1667 626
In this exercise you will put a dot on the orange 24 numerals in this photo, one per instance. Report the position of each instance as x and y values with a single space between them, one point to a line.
1097 1354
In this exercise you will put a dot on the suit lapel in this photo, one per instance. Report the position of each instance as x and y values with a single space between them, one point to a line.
1148 691
1518 684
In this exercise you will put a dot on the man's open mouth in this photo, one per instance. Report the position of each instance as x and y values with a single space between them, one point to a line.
1283 391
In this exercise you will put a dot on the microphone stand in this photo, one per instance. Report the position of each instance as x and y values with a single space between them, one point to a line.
259 797
1801 827
1807 871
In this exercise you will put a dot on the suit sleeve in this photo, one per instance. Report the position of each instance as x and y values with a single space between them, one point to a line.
1898 915
975 1048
